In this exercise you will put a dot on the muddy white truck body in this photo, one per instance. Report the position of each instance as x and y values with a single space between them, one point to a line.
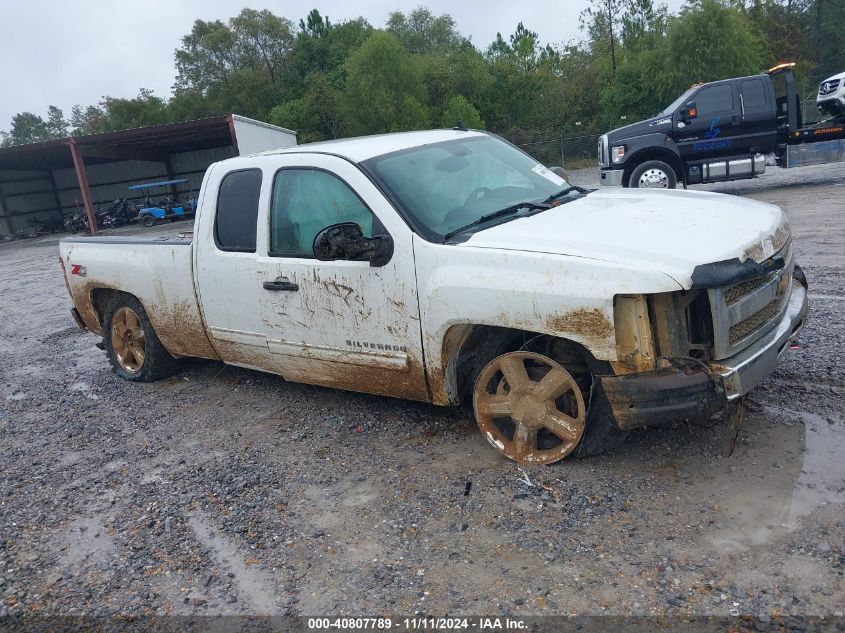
566 316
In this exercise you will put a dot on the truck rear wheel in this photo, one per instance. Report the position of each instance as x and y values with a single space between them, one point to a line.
134 350
653 174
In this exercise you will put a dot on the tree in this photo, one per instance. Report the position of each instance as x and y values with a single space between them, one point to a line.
643 24
26 128
420 32
32 128
601 19
314 24
708 41
113 113
324 47
86 119
265 40
384 91
144 110
329 79
459 111
315 115
207 57
237 66
778 27
56 123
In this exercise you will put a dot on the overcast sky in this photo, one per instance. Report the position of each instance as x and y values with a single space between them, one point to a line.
64 52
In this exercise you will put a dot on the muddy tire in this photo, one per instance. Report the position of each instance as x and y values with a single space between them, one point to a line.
529 408
653 174
601 434
133 349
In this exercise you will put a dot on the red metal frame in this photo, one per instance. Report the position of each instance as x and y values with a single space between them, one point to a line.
82 178
231 121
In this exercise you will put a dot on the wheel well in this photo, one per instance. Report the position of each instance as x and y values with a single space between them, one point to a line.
468 348
100 298
653 154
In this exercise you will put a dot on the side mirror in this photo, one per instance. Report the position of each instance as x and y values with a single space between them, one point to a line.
690 111
346 241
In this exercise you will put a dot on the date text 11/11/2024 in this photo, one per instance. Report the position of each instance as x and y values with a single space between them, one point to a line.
416 624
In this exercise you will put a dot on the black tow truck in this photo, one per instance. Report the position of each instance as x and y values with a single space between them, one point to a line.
722 130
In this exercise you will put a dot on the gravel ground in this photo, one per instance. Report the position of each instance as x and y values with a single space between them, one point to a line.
226 491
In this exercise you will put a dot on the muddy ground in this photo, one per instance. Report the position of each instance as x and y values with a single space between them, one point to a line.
227 491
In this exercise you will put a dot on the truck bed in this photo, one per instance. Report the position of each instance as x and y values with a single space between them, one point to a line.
157 271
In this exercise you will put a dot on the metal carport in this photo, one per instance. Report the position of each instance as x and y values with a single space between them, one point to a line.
51 177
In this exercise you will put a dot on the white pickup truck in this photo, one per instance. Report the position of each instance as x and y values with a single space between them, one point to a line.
449 266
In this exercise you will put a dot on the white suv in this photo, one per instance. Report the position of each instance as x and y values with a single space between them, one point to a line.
831 97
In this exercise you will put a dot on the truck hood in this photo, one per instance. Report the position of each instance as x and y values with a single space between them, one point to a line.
670 231
648 126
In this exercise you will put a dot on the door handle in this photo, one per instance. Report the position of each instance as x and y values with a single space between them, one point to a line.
280 285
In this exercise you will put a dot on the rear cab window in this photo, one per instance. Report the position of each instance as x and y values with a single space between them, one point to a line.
236 219
754 95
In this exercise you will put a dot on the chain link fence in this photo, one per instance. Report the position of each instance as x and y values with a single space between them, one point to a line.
570 152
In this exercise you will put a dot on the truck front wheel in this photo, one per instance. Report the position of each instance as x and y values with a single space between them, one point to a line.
653 174
134 350
529 408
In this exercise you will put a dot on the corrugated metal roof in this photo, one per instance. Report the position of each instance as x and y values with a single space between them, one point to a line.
145 143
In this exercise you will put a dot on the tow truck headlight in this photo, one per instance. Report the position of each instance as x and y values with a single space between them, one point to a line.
617 153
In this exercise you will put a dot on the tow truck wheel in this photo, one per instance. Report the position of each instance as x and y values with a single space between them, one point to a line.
134 350
653 174
529 408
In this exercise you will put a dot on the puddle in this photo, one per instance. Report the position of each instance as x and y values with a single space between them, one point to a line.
787 472
822 479
254 585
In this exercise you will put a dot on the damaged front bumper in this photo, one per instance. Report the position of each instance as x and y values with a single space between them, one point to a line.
674 393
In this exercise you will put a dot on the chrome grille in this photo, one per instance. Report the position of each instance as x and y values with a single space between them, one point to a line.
744 311
827 87
757 320
738 291
603 157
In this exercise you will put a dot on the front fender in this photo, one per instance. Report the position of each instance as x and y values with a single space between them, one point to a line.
561 296
638 146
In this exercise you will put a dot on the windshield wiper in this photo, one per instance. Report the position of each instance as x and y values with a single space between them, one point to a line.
559 194
514 208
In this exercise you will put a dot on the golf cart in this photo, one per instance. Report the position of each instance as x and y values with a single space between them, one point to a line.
169 204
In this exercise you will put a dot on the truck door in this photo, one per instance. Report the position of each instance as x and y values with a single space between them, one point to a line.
759 118
712 129
225 264
344 324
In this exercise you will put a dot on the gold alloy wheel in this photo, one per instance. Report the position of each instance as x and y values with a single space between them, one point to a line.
127 339
529 408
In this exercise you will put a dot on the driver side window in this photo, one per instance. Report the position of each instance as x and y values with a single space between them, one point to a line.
714 99
305 201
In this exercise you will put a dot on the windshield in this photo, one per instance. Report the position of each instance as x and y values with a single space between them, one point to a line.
449 185
670 109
